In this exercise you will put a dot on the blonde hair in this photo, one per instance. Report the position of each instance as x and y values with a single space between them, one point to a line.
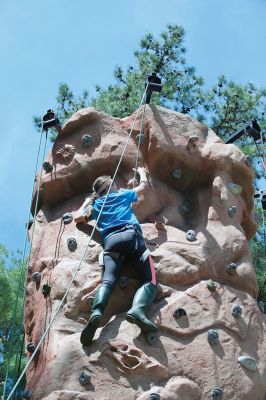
97 185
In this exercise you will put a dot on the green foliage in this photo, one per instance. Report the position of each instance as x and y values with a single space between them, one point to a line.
11 320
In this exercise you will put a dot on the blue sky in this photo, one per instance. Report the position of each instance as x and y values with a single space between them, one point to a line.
43 43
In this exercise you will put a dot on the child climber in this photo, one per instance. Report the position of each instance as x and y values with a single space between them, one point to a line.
123 240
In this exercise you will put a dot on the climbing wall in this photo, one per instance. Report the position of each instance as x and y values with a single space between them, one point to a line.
196 216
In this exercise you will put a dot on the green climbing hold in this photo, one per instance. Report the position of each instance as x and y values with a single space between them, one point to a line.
235 188
211 285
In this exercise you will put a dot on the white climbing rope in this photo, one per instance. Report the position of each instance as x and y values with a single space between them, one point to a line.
83 256
140 133
24 271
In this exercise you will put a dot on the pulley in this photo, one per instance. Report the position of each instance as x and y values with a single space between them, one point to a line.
154 84
50 120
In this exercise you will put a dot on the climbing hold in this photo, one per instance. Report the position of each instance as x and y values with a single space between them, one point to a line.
84 378
248 161
232 211
179 312
176 173
67 218
261 305
30 347
123 281
46 289
154 396
235 188
47 167
217 393
72 244
26 394
159 226
36 277
248 362
86 140
141 138
29 223
192 144
236 310
231 268
211 285
213 336
151 338
191 235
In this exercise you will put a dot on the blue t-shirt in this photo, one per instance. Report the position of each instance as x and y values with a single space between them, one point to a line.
116 211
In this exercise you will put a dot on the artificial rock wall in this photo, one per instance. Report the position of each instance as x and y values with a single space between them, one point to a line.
206 307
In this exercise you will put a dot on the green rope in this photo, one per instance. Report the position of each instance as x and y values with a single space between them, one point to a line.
82 258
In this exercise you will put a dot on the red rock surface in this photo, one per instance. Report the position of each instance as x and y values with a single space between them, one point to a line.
121 363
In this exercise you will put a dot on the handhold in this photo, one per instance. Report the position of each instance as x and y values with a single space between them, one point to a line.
86 140
29 223
84 378
191 235
211 285
46 289
231 268
261 306
72 244
141 138
159 226
248 362
236 310
67 218
47 167
26 394
179 312
151 338
123 281
65 152
213 336
36 277
30 347
217 393
192 144
176 173
235 188
154 396
232 211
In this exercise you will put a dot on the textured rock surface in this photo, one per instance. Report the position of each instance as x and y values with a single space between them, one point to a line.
191 177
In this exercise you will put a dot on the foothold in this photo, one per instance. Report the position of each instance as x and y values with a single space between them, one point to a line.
29 223
159 226
213 336
249 161
236 310
179 312
176 173
26 394
67 218
191 235
47 167
232 211
123 281
217 393
72 244
154 396
211 285
151 338
231 268
84 378
46 289
141 138
248 362
261 306
235 188
86 140
36 277
30 347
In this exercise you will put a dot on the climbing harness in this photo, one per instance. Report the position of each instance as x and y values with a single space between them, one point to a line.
84 253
